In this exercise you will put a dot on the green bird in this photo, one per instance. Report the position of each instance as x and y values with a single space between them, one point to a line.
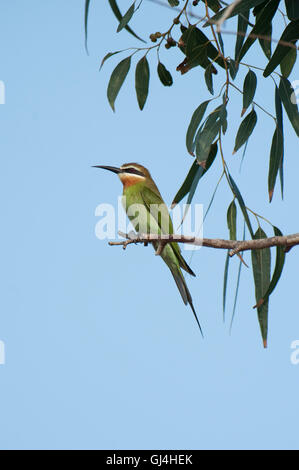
142 196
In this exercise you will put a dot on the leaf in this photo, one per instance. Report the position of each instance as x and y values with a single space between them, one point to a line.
126 18
194 124
173 3
233 68
117 79
196 171
118 15
240 200
288 98
164 75
261 26
241 7
279 117
87 4
142 75
225 279
276 155
266 43
223 118
232 220
107 56
279 265
238 283
221 43
242 28
292 7
213 4
245 130
207 135
209 79
249 89
199 47
290 34
232 227
288 62
200 172
261 266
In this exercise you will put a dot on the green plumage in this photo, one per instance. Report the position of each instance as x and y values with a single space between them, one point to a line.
148 214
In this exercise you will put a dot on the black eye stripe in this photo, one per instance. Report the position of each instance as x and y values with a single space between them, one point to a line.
133 171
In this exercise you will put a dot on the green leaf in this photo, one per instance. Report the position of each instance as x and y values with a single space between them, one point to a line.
261 266
288 98
196 171
173 3
261 26
209 78
87 4
223 118
117 79
199 48
245 130
266 43
292 7
233 68
279 117
186 186
142 75
126 18
242 28
241 7
288 62
221 43
225 279
200 172
194 124
213 4
240 200
276 155
207 135
118 15
164 75
290 34
238 284
232 220
107 56
249 89
279 265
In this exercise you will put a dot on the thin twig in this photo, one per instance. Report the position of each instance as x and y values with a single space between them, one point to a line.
236 246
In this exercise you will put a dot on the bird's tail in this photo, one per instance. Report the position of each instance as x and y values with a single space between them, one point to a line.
184 291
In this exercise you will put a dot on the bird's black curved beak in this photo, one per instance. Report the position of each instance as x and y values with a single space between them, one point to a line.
114 169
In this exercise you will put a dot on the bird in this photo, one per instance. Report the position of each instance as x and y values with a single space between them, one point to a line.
139 188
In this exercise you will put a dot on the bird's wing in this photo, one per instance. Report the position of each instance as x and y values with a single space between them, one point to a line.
158 209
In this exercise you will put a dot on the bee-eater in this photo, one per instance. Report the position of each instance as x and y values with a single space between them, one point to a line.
140 189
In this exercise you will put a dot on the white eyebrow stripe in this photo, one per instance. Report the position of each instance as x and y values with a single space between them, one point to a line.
132 175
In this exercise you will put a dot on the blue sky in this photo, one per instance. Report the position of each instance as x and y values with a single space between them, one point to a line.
100 350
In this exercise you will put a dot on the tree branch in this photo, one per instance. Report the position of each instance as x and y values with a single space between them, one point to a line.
235 246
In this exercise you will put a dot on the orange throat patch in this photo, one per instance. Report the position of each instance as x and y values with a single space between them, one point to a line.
128 180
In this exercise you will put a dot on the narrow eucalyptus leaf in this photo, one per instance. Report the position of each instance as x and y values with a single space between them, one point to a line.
142 76
249 89
245 130
126 18
117 79
261 266
289 100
